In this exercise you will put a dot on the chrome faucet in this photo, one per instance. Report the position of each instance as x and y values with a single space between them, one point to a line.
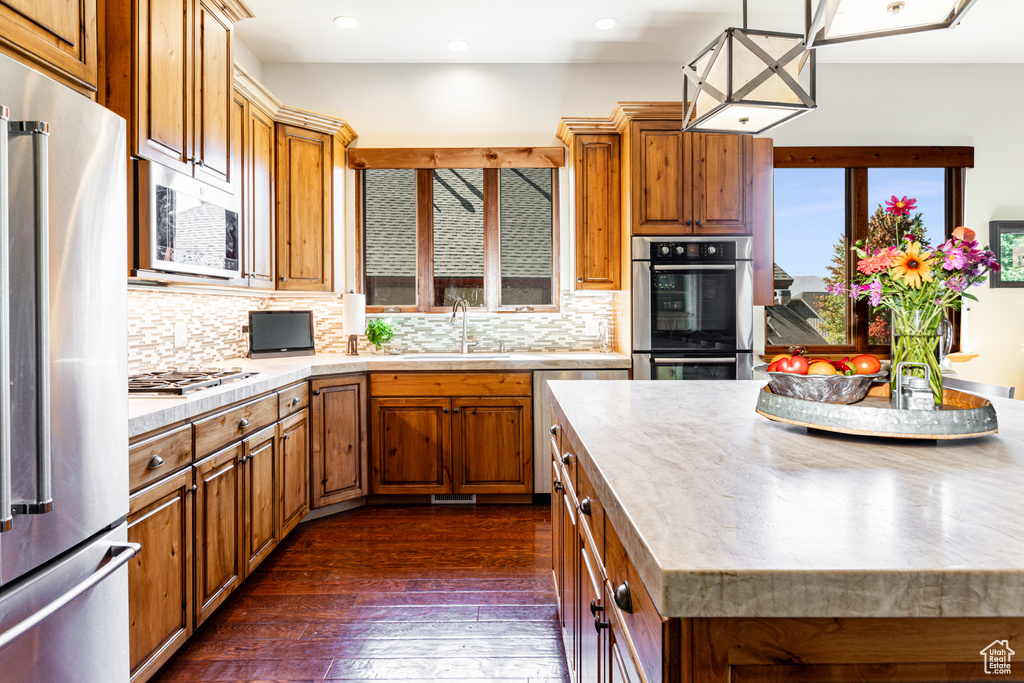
465 314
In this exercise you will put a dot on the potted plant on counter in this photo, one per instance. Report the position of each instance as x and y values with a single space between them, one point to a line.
379 331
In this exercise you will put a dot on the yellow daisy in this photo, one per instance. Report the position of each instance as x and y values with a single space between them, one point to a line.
911 267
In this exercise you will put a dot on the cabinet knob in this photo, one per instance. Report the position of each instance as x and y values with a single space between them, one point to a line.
456 411
585 506
688 222
699 222
579 279
598 624
154 462
567 458
554 430
295 400
623 599
558 486
284 278
595 608
316 392
243 423
194 488
444 410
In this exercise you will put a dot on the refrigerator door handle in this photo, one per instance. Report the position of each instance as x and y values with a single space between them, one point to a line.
6 514
119 555
40 132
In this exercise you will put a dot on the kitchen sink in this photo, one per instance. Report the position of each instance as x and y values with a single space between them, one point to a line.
455 356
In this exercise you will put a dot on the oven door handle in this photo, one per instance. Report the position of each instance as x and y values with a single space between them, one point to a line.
693 266
687 361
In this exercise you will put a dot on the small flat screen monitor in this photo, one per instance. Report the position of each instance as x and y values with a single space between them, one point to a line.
280 333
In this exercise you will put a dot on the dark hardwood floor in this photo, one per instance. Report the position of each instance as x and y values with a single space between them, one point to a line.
421 593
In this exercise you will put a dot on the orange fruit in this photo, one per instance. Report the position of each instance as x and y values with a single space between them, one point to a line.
780 357
821 368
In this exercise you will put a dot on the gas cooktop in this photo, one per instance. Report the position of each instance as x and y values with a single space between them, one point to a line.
179 382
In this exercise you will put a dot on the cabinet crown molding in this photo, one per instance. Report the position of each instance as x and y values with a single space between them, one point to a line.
569 127
318 122
256 92
235 10
625 112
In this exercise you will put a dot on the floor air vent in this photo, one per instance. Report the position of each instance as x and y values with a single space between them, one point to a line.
453 499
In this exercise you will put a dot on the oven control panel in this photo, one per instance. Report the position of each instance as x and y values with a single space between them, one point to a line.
693 252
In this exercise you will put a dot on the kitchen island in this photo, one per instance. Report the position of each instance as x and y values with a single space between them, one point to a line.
761 545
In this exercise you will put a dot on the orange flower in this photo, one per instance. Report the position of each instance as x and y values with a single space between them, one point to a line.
964 233
879 261
912 267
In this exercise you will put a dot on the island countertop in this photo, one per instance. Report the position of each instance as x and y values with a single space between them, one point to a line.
727 514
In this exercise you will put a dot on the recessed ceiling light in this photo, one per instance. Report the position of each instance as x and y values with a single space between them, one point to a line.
346 22
606 23
457 45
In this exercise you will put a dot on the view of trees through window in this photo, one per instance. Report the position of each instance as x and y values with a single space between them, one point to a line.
812 238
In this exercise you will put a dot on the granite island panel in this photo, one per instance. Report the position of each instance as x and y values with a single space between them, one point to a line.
152 413
727 514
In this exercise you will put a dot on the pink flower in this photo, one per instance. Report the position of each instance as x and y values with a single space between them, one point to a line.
956 283
836 289
875 288
954 257
900 207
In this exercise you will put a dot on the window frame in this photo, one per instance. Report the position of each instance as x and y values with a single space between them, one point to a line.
424 161
857 161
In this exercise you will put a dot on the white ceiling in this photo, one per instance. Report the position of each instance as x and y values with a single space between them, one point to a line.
655 31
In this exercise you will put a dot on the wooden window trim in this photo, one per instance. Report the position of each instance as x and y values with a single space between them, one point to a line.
425 246
857 161
456 157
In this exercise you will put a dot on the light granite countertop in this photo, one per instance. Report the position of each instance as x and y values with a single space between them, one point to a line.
149 414
725 513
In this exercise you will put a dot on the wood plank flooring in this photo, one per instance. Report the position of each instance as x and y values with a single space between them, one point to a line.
410 594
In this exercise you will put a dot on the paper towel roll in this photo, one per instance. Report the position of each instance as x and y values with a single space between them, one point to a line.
354 320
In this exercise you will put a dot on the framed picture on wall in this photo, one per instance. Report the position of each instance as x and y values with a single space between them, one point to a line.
1006 239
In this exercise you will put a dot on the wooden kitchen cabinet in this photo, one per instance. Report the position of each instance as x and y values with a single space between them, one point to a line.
258 510
293 471
466 433
219 529
160 577
58 37
339 448
169 70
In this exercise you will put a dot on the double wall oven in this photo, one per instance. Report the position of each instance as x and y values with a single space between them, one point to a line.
693 302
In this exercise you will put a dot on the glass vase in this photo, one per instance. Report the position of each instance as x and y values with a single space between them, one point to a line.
921 335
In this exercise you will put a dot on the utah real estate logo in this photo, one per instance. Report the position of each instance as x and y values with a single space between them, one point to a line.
997 657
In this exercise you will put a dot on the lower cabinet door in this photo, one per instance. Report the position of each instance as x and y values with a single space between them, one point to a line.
592 621
570 584
411 445
219 529
160 576
259 499
339 439
293 472
492 445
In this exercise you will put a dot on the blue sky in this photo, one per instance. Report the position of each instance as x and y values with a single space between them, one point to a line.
810 209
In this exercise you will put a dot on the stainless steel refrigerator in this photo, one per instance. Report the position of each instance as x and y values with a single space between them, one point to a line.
63 394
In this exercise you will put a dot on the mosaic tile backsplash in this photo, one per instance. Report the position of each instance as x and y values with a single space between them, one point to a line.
211 327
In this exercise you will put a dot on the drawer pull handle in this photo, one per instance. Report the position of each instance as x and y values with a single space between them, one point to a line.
585 506
598 624
567 458
295 400
558 486
243 423
554 430
595 608
154 462
622 598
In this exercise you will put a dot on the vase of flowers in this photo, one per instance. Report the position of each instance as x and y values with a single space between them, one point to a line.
918 284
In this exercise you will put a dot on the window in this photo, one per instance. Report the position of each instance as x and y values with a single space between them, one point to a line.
430 236
825 200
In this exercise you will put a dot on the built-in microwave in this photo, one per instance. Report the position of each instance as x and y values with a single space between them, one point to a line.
184 225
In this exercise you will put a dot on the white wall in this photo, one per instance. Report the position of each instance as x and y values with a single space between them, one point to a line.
392 105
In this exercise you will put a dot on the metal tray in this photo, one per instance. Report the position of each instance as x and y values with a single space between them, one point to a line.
963 416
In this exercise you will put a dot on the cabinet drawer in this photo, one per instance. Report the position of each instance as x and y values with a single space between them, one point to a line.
567 459
293 399
643 628
591 512
223 428
157 457
450 384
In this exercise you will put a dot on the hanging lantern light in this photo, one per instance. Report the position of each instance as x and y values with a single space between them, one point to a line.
748 82
840 21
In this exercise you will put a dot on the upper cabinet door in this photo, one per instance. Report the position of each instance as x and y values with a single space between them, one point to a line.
57 35
163 106
596 204
260 193
213 72
657 197
720 166
304 222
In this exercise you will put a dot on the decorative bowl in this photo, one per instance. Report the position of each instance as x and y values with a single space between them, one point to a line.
843 389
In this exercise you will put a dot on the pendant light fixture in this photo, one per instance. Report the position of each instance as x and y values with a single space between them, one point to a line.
748 81
840 21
